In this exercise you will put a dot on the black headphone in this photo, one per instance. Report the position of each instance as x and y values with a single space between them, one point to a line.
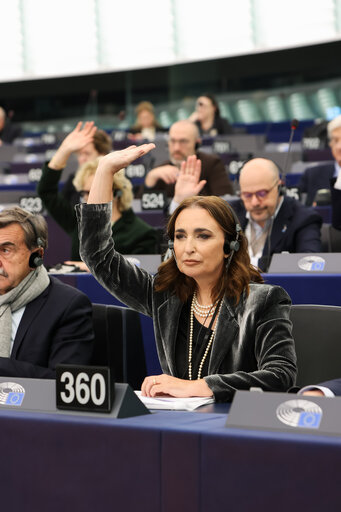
35 258
230 247
118 193
233 246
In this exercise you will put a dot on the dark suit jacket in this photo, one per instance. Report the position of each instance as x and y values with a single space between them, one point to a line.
10 132
315 178
296 228
336 206
220 126
334 385
253 345
212 170
55 328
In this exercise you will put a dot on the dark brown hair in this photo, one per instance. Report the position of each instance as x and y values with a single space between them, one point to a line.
240 271
102 142
214 103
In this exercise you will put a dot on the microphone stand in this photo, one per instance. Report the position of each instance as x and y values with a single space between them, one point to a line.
294 125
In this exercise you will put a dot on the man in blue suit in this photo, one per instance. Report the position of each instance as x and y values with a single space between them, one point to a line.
272 221
320 176
43 322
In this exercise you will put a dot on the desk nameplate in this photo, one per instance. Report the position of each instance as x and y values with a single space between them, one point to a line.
285 412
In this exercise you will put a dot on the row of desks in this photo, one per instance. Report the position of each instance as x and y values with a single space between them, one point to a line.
165 461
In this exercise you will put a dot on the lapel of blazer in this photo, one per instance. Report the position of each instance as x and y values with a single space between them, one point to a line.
31 311
227 331
168 316
279 228
329 169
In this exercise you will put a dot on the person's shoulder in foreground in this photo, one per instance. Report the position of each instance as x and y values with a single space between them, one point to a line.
56 328
43 322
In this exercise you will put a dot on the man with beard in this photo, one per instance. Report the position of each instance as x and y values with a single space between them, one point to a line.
183 142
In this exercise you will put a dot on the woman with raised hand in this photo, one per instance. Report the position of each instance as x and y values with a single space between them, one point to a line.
218 328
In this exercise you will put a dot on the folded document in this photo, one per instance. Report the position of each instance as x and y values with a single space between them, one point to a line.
174 404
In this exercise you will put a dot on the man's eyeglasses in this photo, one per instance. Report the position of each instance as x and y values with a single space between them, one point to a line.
181 142
260 194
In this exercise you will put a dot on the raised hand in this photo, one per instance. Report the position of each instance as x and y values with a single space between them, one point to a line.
101 189
76 140
188 183
116 160
79 137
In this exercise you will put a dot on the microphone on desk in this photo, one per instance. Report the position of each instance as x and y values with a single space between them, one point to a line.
281 192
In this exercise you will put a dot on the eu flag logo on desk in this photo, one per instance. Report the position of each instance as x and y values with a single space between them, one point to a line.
309 419
317 265
14 398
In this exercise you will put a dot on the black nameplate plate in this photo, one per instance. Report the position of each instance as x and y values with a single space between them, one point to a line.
285 412
33 204
221 146
153 201
84 388
135 171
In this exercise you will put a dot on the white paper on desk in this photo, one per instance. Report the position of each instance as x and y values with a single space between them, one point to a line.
174 404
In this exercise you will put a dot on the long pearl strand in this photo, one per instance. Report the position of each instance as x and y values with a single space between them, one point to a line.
190 343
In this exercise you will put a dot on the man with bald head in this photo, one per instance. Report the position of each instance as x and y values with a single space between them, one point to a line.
267 214
183 142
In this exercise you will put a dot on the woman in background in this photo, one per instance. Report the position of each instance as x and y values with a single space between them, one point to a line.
146 125
207 117
132 235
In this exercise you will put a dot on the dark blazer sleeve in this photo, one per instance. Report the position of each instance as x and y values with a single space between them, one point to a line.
56 328
263 346
334 385
223 126
314 179
336 207
214 172
308 236
55 202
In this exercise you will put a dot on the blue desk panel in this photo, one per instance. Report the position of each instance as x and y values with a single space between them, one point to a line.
303 288
309 289
260 471
166 461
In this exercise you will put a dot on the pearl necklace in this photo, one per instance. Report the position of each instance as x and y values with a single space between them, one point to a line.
190 343
203 311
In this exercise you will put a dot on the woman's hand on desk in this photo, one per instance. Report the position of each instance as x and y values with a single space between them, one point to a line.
158 385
